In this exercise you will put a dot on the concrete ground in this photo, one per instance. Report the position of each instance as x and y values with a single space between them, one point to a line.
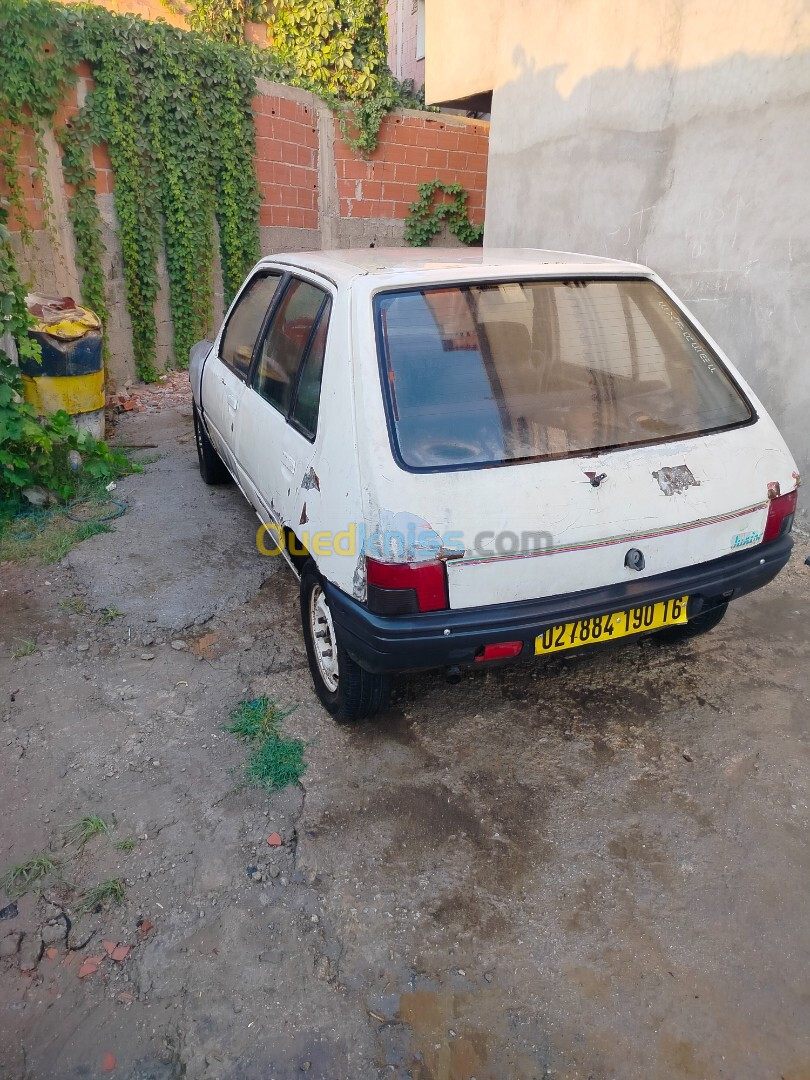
597 867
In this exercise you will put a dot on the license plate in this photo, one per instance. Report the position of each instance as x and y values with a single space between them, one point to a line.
601 628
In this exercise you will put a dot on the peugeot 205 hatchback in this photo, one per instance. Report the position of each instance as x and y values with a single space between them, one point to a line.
472 456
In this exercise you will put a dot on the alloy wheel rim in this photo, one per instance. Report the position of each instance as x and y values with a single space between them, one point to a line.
323 639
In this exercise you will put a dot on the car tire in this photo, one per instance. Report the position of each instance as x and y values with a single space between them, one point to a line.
346 690
212 468
699 624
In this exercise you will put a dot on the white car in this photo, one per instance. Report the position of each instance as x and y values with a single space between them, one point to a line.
471 456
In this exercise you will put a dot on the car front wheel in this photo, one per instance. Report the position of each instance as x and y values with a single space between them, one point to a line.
345 689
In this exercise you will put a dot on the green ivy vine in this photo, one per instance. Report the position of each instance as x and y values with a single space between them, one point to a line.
76 141
334 48
174 109
427 215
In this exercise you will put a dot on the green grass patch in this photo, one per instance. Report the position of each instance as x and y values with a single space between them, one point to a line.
47 537
127 844
23 647
82 831
72 605
106 892
48 534
19 879
275 760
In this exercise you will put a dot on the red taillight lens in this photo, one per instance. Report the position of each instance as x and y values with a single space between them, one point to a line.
780 515
406 588
501 650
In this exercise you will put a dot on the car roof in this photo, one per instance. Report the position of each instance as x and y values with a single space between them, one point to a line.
341 265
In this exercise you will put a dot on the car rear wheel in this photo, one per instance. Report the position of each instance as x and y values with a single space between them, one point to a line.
700 624
212 468
345 689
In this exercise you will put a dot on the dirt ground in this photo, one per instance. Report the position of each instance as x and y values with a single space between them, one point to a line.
597 867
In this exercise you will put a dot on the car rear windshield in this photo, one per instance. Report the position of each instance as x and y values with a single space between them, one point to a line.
486 374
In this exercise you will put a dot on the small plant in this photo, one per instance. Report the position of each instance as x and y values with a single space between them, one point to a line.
427 215
110 613
94 899
80 832
257 719
275 763
275 760
71 605
127 844
23 647
20 878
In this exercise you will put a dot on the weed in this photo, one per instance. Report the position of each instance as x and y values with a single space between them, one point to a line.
85 829
110 613
20 878
19 540
72 605
49 534
256 719
276 763
127 844
23 647
94 899
275 760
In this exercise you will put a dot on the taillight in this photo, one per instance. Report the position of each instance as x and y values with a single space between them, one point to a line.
780 515
406 588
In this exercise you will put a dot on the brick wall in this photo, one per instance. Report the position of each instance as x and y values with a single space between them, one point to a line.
413 147
316 193
287 160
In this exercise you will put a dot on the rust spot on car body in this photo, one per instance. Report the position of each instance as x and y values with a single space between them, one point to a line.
675 479
310 480
303 519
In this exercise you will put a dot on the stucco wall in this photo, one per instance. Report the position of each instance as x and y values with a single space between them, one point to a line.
663 131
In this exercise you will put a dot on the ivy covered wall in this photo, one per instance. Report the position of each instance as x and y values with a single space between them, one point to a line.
159 167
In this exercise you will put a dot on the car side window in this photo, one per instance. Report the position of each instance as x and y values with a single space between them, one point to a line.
308 396
245 322
286 342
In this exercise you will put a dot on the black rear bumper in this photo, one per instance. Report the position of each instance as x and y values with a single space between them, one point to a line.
436 639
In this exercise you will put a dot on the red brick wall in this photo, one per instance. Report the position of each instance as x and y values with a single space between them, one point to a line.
31 186
27 160
411 150
315 192
287 162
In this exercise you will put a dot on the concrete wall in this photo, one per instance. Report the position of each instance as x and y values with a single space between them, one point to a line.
663 131
316 193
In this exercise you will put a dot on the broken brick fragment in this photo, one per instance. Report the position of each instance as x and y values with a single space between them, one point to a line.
89 966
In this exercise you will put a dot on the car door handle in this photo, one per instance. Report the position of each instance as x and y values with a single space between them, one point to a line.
233 402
